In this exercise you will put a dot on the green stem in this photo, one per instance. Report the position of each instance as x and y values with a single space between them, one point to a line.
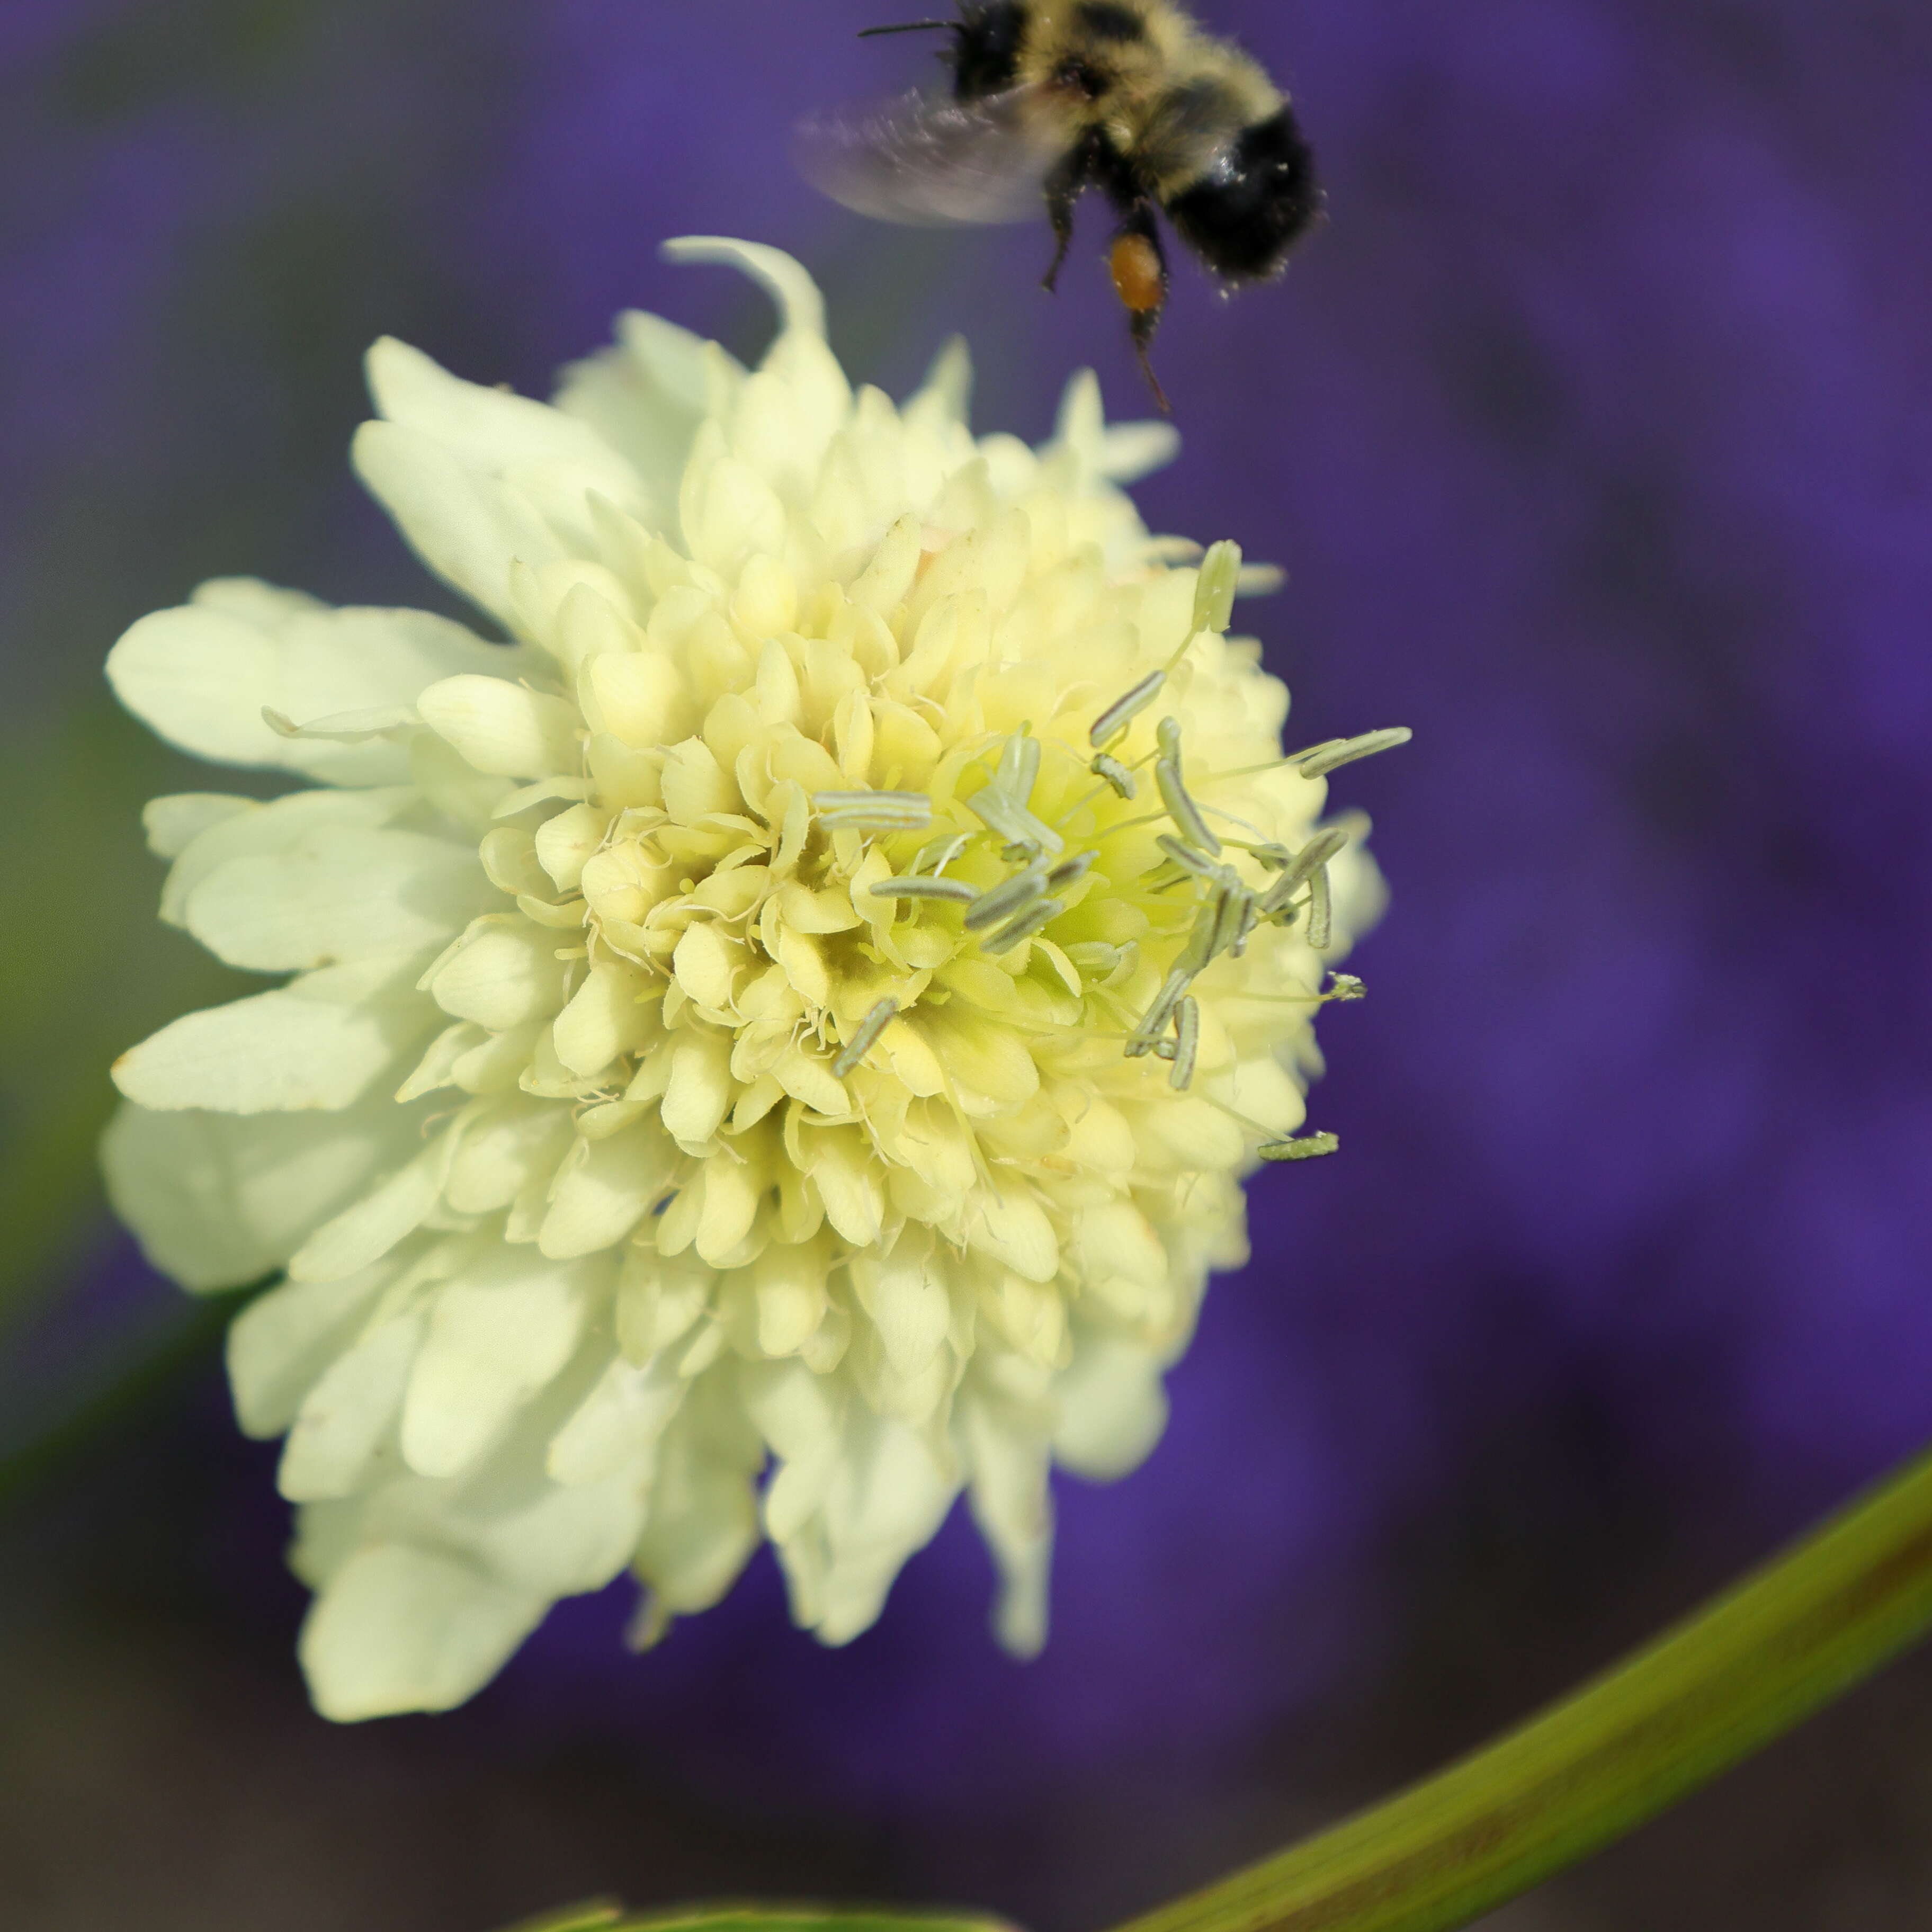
1750 1666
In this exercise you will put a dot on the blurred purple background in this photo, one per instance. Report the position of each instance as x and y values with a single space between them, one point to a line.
1595 432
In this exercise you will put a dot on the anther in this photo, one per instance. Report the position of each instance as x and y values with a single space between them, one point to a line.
1320 760
1013 823
861 1042
941 853
1070 871
1309 859
1154 1021
873 811
1182 809
1186 1042
1116 774
1019 766
1029 922
1320 910
1009 896
1190 860
1344 986
1302 1147
1122 713
1214 589
924 889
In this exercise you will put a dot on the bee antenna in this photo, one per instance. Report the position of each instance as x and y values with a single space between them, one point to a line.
909 27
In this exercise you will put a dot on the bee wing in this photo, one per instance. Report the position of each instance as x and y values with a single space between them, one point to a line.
926 161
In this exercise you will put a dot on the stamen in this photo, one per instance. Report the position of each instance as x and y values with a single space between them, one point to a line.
1019 766
1116 774
1320 760
941 853
1124 710
924 889
1189 860
1214 589
1186 1042
1251 917
1154 1021
861 1042
1180 808
1029 922
1070 871
1310 859
1344 986
873 811
1320 910
997 902
1231 907
1303 1146
1014 823
1196 955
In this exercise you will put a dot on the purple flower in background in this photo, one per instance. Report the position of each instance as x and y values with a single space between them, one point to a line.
1594 432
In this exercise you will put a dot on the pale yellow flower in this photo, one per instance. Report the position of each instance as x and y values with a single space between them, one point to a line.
707 1104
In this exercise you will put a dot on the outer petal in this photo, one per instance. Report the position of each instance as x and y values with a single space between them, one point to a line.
401 1628
216 1201
321 1043
202 674
336 894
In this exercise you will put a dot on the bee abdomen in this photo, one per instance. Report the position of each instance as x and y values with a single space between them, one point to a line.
1244 213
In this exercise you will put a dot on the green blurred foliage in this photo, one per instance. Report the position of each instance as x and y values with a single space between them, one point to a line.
85 970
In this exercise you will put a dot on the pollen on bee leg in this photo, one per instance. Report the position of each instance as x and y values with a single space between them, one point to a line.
1140 280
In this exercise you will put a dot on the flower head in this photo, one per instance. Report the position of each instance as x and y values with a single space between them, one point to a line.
775 1046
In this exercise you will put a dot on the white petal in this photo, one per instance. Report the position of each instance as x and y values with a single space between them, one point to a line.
173 824
468 528
322 1041
215 1200
619 1423
1008 1223
505 974
497 1334
1010 1504
336 894
502 729
401 1629
603 1193
801 307
257 830
906 1299
281 1345
703 1520
488 430
1112 1408
646 398
202 675
366 1230
604 1019
350 1415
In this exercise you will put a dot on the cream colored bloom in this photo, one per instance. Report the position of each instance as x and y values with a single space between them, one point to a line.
650 1173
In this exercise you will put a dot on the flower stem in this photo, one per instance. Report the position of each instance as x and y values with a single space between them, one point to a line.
1748 1667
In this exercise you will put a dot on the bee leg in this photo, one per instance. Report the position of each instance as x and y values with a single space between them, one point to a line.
1139 268
1069 176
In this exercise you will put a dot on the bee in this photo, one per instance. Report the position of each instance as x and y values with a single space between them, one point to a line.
1050 97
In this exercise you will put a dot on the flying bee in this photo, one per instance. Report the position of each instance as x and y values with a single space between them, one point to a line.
1050 97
